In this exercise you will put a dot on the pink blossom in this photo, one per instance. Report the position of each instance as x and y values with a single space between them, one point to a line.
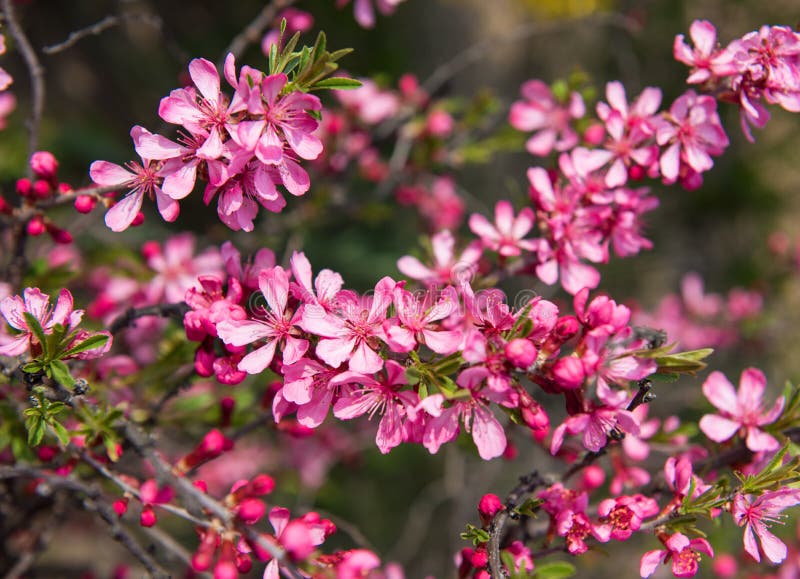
595 426
683 553
5 78
8 103
298 537
624 515
382 397
276 326
177 267
365 13
755 514
37 304
575 527
312 387
550 120
326 287
505 236
142 179
706 59
354 332
415 322
691 134
478 418
446 268
740 413
371 104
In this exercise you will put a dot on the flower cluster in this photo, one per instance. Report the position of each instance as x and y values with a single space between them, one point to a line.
246 144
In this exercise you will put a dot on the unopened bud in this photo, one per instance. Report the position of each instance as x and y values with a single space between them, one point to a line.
35 226
569 372
251 510
24 187
594 134
44 165
148 517
42 189
489 505
521 352
59 235
138 220
85 203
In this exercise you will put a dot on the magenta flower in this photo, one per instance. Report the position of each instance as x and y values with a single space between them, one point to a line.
692 133
277 325
36 303
624 515
415 322
550 120
385 398
505 236
355 333
742 412
754 514
595 427
683 553
446 268
706 59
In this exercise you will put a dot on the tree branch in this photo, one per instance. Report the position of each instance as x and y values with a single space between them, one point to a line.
36 73
98 28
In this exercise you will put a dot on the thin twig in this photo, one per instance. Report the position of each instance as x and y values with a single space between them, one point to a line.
36 73
255 30
176 311
98 28
527 484
92 502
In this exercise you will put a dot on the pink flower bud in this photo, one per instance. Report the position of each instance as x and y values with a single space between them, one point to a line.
64 188
202 485
636 173
201 561
226 406
213 443
262 484
243 563
47 453
148 517
439 123
251 510
59 235
521 352
408 85
593 476
5 207
594 134
225 570
36 226
480 558
85 203
725 565
489 505
566 328
120 506
44 165
24 187
138 220
569 372
151 249
41 189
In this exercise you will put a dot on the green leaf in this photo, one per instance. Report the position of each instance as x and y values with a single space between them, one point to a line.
36 428
61 433
89 343
36 329
554 570
61 373
32 367
337 83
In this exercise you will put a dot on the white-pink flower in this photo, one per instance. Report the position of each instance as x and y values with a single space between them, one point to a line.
755 513
550 121
277 325
742 411
506 235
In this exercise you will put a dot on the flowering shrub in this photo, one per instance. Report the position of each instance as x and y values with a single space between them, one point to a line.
155 410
